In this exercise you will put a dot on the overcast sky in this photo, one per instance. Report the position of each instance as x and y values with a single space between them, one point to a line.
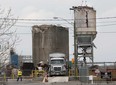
47 9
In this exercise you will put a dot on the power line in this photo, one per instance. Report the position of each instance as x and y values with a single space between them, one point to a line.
27 20
40 23
106 32
106 22
71 33
106 25
68 27
21 19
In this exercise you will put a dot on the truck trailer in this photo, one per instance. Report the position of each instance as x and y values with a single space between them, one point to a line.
57 64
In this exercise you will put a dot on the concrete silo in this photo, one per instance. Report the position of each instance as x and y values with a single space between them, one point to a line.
84 34
85 31
48 39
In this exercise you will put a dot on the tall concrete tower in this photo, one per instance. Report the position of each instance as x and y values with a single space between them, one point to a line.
85 32
48 39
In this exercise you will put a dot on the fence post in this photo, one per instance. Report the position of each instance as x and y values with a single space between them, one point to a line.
4 76
12 76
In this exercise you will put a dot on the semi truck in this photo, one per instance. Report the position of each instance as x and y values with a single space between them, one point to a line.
57 64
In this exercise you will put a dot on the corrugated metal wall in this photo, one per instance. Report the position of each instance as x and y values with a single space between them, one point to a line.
48 39
14 60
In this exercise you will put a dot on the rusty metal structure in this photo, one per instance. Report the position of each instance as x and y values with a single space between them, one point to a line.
48 39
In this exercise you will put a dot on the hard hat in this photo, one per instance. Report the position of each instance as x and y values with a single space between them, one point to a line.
41 62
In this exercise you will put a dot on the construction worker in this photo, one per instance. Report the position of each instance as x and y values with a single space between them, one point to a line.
19 75
72 60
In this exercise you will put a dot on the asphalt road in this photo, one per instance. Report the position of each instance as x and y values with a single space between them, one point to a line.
33 82
59 83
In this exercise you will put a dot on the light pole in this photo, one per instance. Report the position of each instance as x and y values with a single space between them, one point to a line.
75 43
63 20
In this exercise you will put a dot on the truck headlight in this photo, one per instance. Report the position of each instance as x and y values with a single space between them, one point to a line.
63 68
52 68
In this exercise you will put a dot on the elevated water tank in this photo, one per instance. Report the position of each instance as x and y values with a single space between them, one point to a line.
47 39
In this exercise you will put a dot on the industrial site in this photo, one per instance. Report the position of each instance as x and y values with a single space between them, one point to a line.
51 63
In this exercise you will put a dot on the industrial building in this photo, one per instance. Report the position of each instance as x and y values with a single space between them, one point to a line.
47 39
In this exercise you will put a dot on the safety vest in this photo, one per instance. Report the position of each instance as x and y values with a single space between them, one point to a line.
19 73
72 60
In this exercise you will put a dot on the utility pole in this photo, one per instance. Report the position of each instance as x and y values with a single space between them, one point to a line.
75 43
75 49
75 46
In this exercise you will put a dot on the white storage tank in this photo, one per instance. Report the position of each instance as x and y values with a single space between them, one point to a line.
85 20
85 24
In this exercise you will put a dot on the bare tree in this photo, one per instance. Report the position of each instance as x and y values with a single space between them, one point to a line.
8 37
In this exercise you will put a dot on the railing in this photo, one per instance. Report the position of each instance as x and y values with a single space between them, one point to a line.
37 73
71 72
102 66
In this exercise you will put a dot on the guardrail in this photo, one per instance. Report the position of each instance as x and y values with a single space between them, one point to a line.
36 73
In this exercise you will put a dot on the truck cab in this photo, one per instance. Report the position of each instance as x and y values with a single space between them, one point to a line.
57 64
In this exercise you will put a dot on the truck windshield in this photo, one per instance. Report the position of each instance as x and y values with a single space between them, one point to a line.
57 61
